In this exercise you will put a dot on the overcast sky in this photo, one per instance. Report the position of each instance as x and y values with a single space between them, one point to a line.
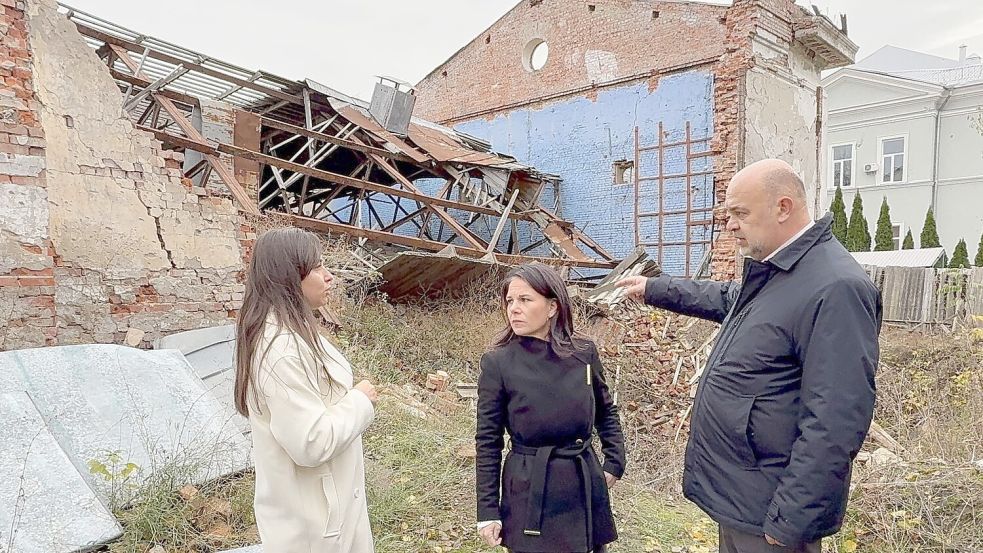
344 43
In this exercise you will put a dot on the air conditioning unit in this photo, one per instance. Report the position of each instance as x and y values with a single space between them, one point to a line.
870 168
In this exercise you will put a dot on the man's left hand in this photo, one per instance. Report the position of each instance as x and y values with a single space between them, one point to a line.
773 541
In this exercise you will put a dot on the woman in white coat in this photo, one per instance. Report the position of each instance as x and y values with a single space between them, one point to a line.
306 418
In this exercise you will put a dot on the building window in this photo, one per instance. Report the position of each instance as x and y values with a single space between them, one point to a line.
897 235
624 172
893 159
843 165
535 54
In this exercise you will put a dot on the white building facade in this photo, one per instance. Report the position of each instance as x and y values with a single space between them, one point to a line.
909 127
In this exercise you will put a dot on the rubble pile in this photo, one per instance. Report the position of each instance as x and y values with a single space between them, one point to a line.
653 359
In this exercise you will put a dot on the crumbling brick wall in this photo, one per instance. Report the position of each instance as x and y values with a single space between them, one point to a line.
729 92
600 48
27 287
592 44
766 105
124 248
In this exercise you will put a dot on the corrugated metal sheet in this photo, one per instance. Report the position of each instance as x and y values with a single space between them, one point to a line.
416 274
193 83
923 257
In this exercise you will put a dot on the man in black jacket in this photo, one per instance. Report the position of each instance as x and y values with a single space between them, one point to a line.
787 395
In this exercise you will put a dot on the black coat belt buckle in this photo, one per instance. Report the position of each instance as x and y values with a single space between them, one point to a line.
532 532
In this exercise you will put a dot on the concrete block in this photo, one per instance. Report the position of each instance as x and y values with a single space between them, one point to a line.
210 351
24 211
18 165
46 506
134 336
148 406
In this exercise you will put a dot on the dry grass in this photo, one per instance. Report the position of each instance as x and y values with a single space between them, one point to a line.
930 398
421 481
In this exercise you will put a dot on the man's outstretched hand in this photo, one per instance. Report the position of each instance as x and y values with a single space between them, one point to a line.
634 287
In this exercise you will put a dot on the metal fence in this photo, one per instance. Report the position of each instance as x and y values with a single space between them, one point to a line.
920 295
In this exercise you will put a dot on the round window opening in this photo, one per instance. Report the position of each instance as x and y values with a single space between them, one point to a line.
535 54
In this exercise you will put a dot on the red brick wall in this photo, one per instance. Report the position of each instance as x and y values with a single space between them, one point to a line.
488 75
65 276
27 292
729 75
743 20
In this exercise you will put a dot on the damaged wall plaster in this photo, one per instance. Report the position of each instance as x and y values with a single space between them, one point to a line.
133 245
763 95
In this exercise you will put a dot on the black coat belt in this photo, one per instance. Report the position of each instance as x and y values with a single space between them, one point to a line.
537 480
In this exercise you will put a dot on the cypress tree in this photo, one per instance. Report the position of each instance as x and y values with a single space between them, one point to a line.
930 235
979 253
838 209
960 256
884 237
858 236
909 242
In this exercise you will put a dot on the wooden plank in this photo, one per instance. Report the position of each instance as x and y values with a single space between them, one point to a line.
555 232
501 222
142 82
355 116
238 192
435 246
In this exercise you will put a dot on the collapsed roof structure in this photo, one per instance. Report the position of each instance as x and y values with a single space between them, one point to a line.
324 158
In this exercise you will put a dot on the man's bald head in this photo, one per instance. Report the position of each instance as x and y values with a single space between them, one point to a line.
766 205
775 177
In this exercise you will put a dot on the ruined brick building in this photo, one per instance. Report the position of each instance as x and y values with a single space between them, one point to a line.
563 84
132 171
131 168
98 233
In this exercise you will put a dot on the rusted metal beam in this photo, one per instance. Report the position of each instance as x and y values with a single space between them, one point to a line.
435 246
464 233
221 148
134 47
143 83
351 145
238 192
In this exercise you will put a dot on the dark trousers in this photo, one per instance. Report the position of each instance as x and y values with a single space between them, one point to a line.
733 541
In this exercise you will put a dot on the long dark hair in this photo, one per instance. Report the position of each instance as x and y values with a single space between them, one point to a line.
546 282
281 259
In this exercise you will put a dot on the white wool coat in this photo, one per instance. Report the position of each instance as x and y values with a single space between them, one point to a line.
307 447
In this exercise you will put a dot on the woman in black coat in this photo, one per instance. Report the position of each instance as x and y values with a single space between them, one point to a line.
546 387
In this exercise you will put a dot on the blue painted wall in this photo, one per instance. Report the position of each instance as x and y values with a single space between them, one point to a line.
580 139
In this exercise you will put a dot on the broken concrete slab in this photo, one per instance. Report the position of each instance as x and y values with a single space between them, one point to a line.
46 506
210 351
143 407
